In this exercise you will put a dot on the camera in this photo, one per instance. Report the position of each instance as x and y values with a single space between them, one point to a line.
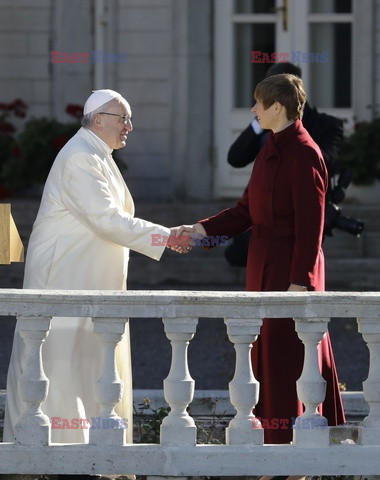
333 216
334 219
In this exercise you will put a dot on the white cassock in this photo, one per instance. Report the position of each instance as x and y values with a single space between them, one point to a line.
80 240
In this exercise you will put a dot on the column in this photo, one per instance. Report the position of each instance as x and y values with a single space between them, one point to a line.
33 426
311 428
178 428
244 428
110 428
369 432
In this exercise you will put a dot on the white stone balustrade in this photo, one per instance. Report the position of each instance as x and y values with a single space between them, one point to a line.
33 427
109 387
177 455
245 428
369 432
178 428
311 428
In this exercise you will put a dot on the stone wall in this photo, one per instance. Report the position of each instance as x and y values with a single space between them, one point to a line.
376 20
166 75
24 42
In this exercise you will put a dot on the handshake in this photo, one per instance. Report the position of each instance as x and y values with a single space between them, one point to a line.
180 239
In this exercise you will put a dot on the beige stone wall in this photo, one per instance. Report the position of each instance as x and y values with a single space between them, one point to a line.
376 67
24 45
167 79
144 30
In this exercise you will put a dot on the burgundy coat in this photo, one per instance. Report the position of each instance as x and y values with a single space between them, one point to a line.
283 205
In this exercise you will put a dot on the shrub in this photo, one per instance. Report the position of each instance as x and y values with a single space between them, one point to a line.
361 153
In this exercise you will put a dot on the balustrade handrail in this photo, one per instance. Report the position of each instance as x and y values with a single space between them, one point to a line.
177 304
177 455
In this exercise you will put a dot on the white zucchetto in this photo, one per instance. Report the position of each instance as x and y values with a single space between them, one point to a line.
99 98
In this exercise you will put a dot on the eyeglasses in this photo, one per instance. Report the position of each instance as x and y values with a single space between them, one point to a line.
125 118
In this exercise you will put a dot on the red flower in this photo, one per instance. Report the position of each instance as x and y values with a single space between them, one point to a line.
60 141
75 110
19 107
7 127
4 106
16 152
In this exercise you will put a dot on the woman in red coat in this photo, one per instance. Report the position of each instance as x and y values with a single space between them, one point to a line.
283 205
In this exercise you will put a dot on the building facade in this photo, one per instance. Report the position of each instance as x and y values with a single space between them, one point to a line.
188 68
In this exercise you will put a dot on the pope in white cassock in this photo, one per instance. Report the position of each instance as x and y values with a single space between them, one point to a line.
81 239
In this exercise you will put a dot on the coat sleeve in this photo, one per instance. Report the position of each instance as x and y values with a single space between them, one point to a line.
88 196
231 221
308 193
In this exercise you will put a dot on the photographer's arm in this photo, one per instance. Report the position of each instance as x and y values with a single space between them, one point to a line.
329 137
246 147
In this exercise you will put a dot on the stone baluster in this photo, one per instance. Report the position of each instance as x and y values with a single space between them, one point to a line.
178 428
369 432
109 428
311 428
33 426
244 428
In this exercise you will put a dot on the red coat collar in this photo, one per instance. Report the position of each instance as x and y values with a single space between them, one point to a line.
280 138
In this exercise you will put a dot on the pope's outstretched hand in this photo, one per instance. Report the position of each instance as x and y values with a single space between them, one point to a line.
180 239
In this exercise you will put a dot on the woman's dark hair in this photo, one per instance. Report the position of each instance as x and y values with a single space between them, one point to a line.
286 89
